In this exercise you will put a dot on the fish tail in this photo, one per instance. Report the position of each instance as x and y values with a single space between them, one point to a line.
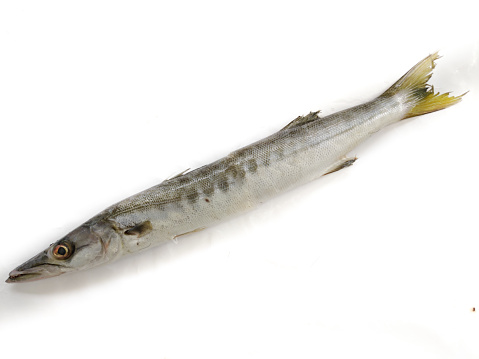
420 96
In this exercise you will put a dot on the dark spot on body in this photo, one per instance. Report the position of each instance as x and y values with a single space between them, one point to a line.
235 172
232 171
182 180
223 184
207 200
241 173
209 190
473 309
252 166
192 197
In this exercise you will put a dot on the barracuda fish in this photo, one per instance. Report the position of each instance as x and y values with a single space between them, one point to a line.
307 148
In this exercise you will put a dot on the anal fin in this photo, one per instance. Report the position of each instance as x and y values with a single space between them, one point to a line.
342 163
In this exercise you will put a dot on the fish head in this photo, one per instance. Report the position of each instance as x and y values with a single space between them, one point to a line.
87 246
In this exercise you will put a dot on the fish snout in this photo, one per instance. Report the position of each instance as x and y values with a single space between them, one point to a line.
34 269
31 274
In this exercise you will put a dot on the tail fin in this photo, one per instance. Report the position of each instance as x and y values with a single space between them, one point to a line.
421 95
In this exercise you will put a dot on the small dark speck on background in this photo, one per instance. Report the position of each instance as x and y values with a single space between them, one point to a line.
473 309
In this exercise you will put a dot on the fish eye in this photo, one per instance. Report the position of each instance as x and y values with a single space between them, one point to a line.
62 251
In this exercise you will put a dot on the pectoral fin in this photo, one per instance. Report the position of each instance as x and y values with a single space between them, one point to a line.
140 230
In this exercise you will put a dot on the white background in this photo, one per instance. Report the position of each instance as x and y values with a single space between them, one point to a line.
100 100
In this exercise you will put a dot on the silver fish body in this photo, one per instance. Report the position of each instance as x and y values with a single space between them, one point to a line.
306 149
251 175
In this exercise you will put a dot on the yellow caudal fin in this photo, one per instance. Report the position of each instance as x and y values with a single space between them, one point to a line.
419 94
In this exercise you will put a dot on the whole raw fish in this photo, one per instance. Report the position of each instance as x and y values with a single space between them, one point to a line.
307 148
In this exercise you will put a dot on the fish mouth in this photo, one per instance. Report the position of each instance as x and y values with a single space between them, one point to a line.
35 273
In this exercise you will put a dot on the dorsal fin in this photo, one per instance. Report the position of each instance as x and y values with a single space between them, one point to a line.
179 174
301 120
176 176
